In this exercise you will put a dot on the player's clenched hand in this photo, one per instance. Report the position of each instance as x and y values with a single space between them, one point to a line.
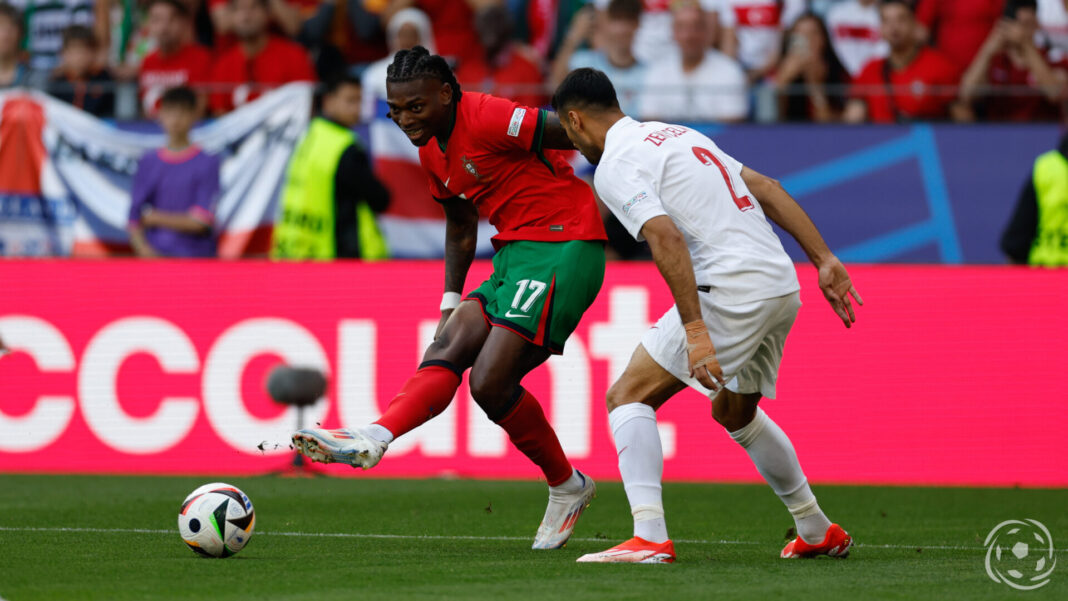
703 363
445 313
837 288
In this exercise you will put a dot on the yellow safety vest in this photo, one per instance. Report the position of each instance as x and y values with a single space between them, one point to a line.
1050 247
305 226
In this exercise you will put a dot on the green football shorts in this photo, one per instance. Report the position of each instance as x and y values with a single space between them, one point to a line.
540 290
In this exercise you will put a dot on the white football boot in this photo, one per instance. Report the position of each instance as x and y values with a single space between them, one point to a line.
344 445
560 516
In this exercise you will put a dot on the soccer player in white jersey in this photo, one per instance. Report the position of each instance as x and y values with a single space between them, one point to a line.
736 296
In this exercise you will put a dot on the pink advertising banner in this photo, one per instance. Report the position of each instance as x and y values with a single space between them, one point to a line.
952 375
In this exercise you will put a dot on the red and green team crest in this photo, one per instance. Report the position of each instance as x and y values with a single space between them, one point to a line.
469 165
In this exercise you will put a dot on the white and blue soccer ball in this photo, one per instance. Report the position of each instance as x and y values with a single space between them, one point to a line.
216 520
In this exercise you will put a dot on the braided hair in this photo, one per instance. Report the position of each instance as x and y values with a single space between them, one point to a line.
418 63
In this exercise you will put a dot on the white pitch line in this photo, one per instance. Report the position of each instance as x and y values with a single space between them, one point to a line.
462 537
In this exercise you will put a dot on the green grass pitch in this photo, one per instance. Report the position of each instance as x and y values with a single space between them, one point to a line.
115 538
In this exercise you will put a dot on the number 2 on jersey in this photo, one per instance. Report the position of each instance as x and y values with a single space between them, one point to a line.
705 155
536 289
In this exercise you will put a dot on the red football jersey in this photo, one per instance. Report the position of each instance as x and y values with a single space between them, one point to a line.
280 62
1003 72
922 91
190 66
494 158
958 28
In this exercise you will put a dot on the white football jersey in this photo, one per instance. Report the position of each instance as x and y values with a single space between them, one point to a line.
854 30
759 25
1053 22
651 169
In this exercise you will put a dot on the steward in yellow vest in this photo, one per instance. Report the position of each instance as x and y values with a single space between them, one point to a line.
1037 234
330 196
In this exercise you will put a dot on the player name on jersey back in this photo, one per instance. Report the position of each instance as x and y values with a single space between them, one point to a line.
652 169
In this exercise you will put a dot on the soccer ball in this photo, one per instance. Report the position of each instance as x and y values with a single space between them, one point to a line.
216 520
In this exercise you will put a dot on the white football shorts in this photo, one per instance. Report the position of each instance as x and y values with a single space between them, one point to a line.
749 340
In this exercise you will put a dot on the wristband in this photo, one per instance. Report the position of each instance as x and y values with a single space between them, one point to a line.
695 328
450 300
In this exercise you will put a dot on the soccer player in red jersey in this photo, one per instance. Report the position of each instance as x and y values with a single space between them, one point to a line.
491 156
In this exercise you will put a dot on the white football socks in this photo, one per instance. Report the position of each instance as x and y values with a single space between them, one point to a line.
377 432
774 457
641 464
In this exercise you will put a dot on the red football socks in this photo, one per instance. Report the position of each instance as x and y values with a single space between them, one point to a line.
423 396
531 433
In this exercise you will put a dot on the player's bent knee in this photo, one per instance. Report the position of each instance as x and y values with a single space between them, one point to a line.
619 395
452 348
734 411
491 394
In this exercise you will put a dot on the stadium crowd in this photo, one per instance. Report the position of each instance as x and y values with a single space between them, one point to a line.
725 61
700 60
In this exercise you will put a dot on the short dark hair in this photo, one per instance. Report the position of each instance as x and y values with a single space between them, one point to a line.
630 10
418 63
179 7
79 34
908 4
1011 6
333 84
585 88
179 97
13 15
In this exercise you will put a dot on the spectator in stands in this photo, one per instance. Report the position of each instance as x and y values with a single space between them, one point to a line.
854 29
174 192
176 61
697 83
1037 233
613 31
1053 22
259 62
349 26
957 27
810 78
752 32
330 196
454 25
898 88
406 29
654 35
13 71
45 23
120 27
78 80
507 68
1010 59
284 14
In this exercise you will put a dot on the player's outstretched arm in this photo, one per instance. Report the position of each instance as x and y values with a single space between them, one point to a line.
781 208
461 237
672 258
